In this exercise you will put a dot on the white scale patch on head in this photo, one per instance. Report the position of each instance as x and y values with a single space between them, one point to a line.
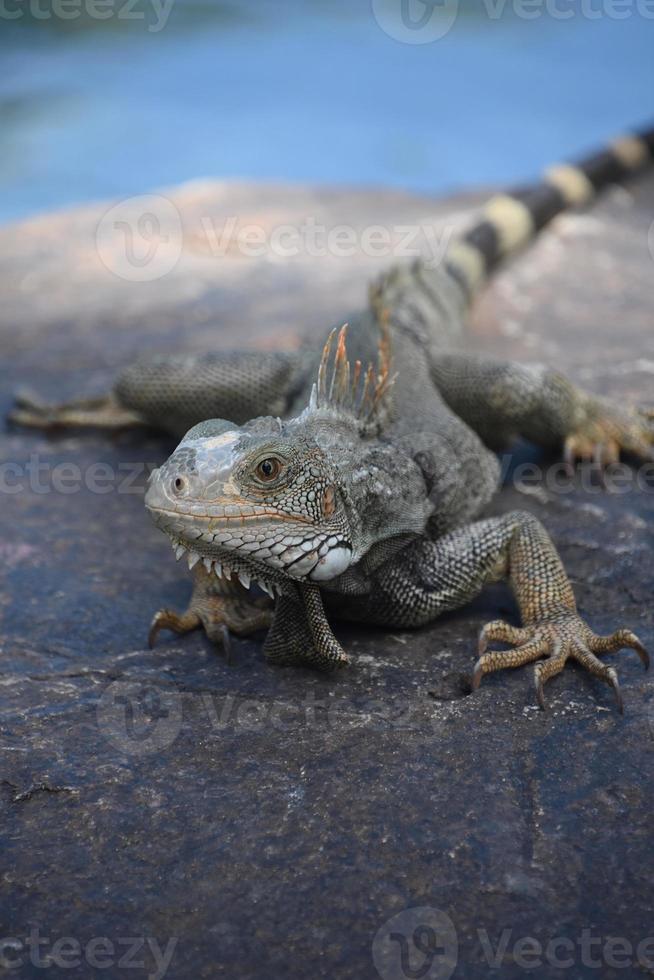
214 442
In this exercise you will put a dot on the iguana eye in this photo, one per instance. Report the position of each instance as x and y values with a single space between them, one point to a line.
268 469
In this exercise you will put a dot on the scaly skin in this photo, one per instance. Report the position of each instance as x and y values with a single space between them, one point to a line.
338 490
374 513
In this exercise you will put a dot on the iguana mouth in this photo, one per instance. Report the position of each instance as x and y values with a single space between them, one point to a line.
221 568
233 514
268 546
318 558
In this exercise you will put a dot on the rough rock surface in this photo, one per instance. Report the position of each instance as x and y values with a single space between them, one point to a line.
268 822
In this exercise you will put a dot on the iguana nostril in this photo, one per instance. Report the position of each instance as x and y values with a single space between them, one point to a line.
180 485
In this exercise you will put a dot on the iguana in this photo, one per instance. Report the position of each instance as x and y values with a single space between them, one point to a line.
349 489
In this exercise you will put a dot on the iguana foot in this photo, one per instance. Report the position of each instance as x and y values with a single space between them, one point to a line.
220 606
560 638
102 413
609 430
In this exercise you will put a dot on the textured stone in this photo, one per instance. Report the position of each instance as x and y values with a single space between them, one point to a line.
272 820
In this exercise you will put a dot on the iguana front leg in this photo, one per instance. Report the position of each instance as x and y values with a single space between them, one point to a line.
221 606
301 635
501 400
431 577
299 632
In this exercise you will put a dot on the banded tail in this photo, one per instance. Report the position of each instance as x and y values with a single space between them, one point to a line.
509 221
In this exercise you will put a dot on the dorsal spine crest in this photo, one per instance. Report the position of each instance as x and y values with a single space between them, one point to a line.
353 391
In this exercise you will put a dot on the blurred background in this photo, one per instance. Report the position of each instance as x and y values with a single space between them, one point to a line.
109 98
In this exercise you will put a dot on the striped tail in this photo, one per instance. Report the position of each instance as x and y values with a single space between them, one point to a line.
509 221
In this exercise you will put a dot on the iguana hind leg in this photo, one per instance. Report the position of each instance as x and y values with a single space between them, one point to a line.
174 392
502 400
432 577
98 413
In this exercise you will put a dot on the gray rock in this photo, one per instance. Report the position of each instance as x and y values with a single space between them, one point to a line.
269 822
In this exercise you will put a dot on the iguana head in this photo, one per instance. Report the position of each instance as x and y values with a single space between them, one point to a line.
299 500
260 499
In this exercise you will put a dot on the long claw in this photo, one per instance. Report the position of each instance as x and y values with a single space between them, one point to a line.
156 626
615 684
227 644
548 668
630 639
477 675
619 640
538 682
643 654
568 458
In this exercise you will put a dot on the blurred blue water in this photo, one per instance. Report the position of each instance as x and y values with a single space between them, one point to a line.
306 92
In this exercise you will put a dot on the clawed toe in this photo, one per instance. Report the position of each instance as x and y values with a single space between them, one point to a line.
500 632
501 659
610 432
166 619
558 640
612 678
618 641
